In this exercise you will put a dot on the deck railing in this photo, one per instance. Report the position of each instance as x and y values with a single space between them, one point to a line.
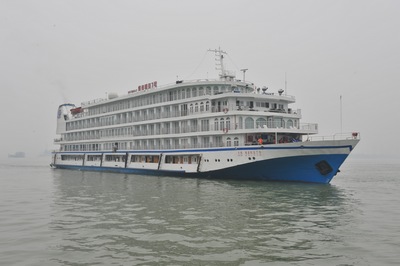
337 136
212 129
119 119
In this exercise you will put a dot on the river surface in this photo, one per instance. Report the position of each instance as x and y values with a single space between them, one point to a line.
67 217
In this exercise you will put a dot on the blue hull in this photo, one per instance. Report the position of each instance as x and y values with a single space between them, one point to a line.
295 169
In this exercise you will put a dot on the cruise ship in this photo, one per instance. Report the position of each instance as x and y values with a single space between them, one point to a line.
205 128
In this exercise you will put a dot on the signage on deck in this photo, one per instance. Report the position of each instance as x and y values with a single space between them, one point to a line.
148 86
151 85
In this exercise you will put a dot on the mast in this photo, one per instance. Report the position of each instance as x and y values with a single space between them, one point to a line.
219 58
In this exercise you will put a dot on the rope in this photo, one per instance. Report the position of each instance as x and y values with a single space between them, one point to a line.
201 62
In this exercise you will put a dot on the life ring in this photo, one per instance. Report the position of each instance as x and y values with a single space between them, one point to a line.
225 130
225 110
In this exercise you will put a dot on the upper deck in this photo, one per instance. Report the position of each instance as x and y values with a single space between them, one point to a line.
243 96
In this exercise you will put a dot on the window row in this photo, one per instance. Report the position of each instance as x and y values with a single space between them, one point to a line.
140 115
159 97
184 126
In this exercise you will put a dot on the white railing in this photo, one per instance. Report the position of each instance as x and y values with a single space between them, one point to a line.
309 126
214 128
173 114
337 136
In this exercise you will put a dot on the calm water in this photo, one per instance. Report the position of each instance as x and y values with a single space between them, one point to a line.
64 217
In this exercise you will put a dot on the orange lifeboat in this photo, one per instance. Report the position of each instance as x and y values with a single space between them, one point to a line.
76 110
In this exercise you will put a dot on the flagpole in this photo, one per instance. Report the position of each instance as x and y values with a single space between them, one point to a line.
341 116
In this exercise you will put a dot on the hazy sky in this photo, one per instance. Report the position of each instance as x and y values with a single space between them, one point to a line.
55 51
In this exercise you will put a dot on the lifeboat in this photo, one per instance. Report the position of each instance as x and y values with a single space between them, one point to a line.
76 110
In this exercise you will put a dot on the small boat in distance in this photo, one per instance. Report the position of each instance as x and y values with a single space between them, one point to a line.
204 128
18 154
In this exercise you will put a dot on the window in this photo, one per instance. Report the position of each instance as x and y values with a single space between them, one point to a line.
216 124
260 122
207 106
215 90
204 125
228 142
248 123
167 143
236 141
228 123
222 123
201 107
196 107
184 143
206 142
278 122
184 110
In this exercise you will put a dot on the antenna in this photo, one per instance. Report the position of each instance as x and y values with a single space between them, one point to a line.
244 73
285 84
